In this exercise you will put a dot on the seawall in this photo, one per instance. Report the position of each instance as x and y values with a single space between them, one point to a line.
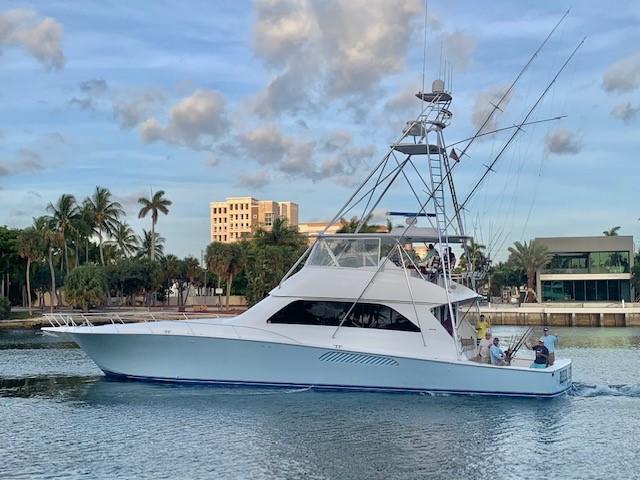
565 315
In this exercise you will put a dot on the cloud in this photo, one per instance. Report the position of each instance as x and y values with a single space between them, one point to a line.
195 121
328 51
345 164
91 91
264 144
298 160
625 112
94 87
28 160
623 76
256 181
289 91
211 160
562 142
132 107
484 105
364 41
336 140
86 103
129 200
25 160
41 37
404 101
282 27
333 156
459 48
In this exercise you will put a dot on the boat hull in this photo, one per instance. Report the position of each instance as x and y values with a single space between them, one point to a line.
177 358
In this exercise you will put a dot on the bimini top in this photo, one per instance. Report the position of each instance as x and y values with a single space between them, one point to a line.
403 235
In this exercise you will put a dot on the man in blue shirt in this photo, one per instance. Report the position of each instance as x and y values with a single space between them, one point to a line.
542 355
496 353
551 342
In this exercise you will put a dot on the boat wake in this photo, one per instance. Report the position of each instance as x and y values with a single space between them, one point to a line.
622 390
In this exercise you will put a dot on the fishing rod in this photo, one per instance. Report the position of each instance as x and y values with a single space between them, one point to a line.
513 349
489 168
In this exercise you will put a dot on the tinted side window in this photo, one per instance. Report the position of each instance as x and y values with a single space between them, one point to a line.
363 315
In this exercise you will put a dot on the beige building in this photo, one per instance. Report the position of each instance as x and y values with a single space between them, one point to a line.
289 211
238 217
313 229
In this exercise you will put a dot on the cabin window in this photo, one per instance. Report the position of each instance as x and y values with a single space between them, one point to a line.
363 315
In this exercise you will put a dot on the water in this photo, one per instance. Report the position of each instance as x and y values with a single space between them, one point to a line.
59 418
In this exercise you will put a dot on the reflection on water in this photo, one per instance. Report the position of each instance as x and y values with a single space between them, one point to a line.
59 418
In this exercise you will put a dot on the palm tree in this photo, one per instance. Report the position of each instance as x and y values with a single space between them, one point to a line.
125 239
530 257
280 234
82 228
51 238
63 214
216 259
350 226
236 262
29 247
154 205
226 261
170 267
105 214
612 232
151 245
476 256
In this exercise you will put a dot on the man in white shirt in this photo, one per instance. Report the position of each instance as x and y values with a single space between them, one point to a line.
551 342
496 353
484 346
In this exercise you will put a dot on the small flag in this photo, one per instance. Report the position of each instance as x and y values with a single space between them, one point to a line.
453 155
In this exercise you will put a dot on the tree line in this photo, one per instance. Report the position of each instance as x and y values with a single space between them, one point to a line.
71 235
88 250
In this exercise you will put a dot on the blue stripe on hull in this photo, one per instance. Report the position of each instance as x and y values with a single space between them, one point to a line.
356 388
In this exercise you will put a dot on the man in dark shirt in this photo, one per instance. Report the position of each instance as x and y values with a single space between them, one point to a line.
542 355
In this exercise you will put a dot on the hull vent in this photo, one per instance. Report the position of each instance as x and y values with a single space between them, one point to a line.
357 359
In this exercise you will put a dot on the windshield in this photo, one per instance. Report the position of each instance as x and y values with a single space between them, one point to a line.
346 252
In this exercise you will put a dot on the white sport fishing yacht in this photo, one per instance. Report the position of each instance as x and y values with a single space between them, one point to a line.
355 312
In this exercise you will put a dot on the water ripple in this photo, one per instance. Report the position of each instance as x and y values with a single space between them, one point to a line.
599 390
59 418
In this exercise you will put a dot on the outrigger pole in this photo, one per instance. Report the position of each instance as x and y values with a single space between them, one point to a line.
513 84
489 168
533 122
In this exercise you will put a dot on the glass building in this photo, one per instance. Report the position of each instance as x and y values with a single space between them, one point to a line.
587 269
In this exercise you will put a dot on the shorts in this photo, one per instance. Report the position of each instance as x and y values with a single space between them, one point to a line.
537 365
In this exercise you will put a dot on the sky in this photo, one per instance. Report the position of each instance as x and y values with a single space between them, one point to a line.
298 99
